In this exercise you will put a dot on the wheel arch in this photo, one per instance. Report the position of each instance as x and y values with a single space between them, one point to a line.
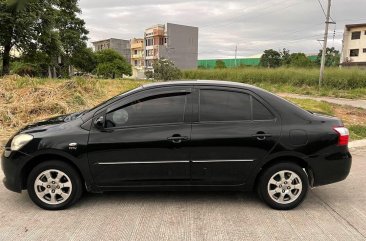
44 158
285 159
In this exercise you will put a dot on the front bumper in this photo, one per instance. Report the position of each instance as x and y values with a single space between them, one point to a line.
331 168
12 164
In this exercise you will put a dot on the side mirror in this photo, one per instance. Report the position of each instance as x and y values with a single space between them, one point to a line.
99 123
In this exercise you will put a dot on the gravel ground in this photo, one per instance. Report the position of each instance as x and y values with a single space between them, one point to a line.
334 212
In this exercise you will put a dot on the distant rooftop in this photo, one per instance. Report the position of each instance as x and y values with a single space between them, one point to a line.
349 26
109 39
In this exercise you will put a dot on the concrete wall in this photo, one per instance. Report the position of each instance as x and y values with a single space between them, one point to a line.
182 46
349 44
120 45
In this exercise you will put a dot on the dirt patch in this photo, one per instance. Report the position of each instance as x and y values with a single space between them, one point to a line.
350 115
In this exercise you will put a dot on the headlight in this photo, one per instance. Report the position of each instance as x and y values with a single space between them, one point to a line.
19 141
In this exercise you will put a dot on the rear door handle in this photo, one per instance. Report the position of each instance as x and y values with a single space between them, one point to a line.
178 139
262 136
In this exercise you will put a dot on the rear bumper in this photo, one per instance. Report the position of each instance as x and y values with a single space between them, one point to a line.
331 168
12 164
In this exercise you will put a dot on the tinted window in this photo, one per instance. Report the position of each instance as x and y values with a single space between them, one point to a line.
224 106
157 110
260 112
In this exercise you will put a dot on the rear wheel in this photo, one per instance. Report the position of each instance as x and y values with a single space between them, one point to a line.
54 185
283 186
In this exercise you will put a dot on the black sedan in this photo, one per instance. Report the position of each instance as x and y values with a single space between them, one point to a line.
183 135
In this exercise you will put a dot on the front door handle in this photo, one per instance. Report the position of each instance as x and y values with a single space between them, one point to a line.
178 139
261 136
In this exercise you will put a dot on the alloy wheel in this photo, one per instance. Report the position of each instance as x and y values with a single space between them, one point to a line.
284 187
53 187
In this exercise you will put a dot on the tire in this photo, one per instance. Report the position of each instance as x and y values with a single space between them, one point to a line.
283 186
54 185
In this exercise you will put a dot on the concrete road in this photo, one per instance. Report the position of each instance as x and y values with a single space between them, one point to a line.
335 212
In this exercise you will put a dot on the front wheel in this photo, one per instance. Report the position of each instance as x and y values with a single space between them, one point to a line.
54 185
283 186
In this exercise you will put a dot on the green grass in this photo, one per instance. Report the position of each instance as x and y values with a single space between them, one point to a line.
314 106
347 83
357 132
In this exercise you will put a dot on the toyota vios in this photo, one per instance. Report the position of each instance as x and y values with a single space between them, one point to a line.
184 135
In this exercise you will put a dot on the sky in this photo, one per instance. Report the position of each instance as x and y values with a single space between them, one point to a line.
252 25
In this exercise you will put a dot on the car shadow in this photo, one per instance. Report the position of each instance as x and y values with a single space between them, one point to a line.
146 197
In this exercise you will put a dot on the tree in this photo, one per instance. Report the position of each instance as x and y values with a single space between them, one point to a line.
85 60
164 69
12 20
270 59
220 64
110 64
72 31
48 26
300 60
332 57
285 57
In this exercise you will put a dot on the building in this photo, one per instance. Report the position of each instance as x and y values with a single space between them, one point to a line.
138 58
354 45
119 45
177 43
137 53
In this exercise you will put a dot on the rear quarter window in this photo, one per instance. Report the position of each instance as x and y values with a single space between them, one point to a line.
260 112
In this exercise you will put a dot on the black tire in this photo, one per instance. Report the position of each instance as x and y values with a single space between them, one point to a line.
287 202
74 193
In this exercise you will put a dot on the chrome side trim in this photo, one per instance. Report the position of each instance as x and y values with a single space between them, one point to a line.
170 162
150 162
218 161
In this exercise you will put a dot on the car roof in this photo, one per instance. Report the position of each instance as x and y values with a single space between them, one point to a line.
198 82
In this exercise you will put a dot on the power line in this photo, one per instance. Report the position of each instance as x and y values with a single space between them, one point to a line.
321 5
325 14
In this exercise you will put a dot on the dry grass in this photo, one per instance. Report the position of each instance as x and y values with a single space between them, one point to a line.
27 100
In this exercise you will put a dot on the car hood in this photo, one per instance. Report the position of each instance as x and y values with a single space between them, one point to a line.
44 124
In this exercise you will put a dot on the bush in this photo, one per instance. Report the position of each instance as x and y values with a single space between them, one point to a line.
24 69
110 64
299 60
164 69
220 64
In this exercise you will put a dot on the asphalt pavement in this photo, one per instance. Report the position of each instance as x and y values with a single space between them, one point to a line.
334 212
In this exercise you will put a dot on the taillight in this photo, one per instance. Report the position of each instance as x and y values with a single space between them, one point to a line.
343 135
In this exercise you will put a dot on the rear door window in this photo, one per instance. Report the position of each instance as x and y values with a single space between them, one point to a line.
218 105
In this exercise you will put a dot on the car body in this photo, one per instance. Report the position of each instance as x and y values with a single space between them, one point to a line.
183 135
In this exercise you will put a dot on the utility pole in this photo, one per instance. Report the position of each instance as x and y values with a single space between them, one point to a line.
236 55
327 22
